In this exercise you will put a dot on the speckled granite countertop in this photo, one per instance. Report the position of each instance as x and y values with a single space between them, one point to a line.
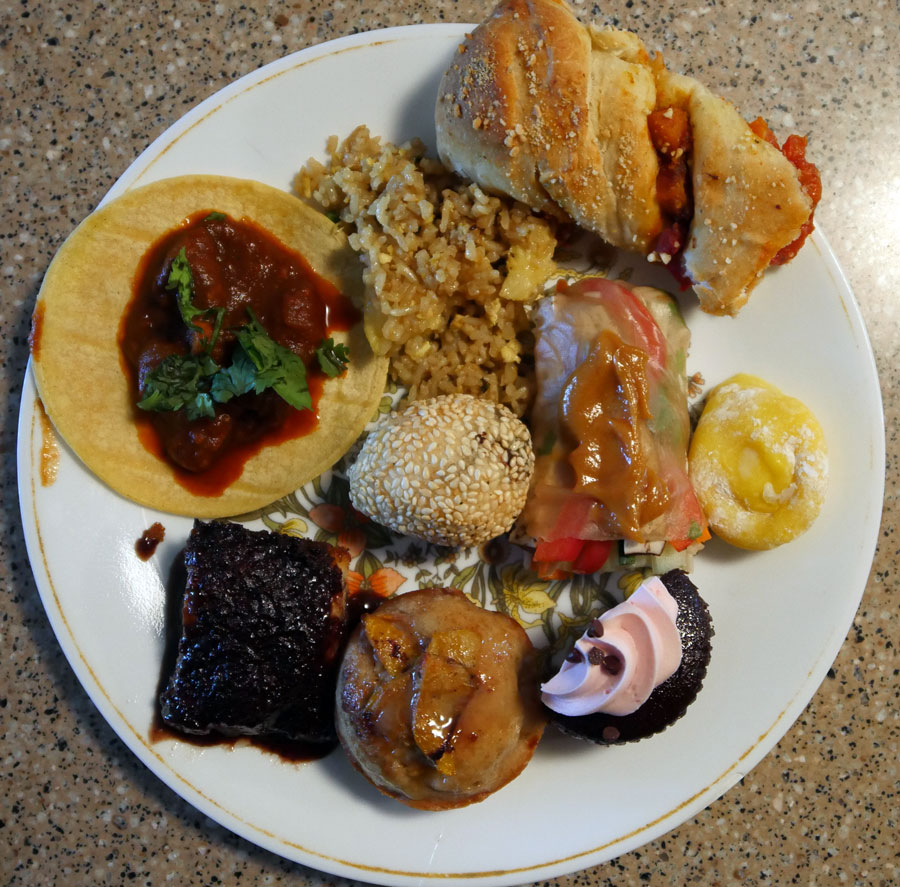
84 87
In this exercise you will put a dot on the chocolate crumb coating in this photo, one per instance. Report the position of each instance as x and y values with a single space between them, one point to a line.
669 701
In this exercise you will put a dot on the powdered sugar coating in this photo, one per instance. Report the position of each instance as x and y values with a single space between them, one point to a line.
749 435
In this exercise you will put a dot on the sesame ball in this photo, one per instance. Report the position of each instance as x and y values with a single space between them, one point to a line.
453 470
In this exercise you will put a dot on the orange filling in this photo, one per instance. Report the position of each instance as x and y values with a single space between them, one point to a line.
794 149
670 132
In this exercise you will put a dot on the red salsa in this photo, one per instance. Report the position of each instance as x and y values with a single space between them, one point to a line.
239 274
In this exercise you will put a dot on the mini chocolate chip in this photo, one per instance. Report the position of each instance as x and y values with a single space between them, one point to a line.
595 629
612 663
610 734
574 655
595 657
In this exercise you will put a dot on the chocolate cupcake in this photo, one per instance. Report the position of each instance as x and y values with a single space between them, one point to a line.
614 673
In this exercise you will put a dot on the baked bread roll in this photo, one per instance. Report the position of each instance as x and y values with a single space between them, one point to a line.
748 201
555 114
532 110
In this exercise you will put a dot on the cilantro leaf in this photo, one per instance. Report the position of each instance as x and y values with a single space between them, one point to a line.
233 381
201 406
333 359
180 382
195 383
215 216
276 366
181 282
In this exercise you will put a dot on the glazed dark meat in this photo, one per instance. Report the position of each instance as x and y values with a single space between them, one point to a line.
264 621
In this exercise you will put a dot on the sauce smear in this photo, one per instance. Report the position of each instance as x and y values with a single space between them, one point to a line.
49 447
150 539
289 750
37 327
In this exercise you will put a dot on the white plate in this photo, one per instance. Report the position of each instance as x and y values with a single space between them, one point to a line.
780 617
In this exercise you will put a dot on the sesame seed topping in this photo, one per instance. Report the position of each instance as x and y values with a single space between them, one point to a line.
454 470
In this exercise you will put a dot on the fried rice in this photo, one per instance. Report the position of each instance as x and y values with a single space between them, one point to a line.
450 271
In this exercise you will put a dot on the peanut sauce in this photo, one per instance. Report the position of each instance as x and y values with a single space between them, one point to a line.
235 266
605 405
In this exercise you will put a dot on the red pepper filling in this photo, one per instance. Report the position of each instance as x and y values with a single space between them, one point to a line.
559 558
670 133
794 149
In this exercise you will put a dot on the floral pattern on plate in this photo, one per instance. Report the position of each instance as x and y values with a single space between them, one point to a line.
495 575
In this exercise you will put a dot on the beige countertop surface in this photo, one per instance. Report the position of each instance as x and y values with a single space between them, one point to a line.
84 87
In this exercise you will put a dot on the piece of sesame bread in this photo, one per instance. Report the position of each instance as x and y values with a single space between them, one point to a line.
539 107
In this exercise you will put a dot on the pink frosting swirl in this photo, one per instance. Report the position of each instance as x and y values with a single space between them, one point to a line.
621 658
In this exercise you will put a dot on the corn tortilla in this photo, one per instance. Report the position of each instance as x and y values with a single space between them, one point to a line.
77 362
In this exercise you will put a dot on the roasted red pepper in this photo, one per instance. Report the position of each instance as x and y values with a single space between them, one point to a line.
794 149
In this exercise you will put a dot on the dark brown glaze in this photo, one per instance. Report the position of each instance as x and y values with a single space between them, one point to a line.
292 751
263 627
668 702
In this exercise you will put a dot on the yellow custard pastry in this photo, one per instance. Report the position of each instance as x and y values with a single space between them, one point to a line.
758 463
